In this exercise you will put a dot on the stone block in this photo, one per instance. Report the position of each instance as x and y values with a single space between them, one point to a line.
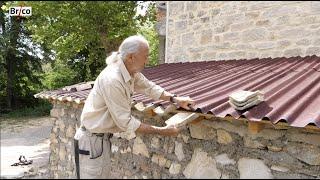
201 13
70 131
291 33
223 159
200 131
279 11
263 23
155 143
274 148
309 154
140 148
201 166
253 169
185 138
55 112
208 56
179 151
159 159
304 42
231 36
62 153
265 45
283 43
175 8
175 168
204 19
293 52
191 6
295 136
237 55
114 148
279 168
255 144
181 25
53 138
252 14
206 37
257 34
214 12
316 42
240 26
188 39
313 51
224 137
269 134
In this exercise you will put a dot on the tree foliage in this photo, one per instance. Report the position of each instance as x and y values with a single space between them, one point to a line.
20 66
149 32
74 39
81 34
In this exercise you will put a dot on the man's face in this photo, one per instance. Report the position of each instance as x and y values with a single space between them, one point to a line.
140 59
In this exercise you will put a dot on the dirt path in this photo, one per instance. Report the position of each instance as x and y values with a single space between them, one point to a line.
28 137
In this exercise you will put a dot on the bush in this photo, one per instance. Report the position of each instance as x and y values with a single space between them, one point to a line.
41 109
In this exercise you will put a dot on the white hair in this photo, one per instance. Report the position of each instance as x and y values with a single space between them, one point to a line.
131 45
128 46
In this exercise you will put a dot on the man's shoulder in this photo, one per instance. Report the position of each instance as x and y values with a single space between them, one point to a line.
110 76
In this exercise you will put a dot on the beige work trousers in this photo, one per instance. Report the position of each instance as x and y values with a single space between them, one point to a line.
98 168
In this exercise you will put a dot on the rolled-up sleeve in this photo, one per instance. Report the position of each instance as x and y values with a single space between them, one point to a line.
149 88
119 106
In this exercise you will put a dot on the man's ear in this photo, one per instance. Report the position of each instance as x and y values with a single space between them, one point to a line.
130 58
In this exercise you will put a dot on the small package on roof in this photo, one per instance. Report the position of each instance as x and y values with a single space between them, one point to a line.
241 100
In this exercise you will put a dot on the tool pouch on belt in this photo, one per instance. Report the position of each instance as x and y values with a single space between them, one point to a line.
96 146
90 142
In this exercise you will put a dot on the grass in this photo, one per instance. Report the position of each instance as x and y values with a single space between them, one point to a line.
42 109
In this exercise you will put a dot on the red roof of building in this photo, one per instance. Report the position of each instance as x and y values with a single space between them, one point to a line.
291 87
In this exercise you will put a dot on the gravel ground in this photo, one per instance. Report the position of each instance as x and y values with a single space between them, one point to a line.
28 137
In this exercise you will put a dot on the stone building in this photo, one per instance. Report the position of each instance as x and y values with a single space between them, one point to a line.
213 49
203 30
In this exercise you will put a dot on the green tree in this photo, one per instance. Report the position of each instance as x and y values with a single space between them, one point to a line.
82 34
20 66
148 30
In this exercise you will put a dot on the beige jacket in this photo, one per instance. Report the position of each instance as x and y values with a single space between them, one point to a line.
108 106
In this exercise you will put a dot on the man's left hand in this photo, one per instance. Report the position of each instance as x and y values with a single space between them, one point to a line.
184 102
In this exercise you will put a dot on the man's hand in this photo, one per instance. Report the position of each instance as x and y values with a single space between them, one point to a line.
170 130
184 102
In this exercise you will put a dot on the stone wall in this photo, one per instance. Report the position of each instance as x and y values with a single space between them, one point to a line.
218 30
61 160
161 28
209 148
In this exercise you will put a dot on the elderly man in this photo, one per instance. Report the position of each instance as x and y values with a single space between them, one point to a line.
108 107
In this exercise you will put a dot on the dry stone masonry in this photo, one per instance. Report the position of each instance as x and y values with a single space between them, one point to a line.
224 30
209 148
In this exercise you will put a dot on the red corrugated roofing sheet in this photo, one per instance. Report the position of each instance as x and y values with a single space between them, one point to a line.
291 87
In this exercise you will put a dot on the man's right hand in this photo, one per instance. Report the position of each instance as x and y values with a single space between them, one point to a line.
170 130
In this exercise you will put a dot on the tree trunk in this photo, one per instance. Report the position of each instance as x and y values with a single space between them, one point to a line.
8 63
10 95
11 60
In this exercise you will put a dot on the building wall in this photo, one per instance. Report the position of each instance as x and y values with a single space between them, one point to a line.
224 30
211 148
161 28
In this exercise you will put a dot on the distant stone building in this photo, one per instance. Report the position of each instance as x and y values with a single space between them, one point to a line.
161 28
225 30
